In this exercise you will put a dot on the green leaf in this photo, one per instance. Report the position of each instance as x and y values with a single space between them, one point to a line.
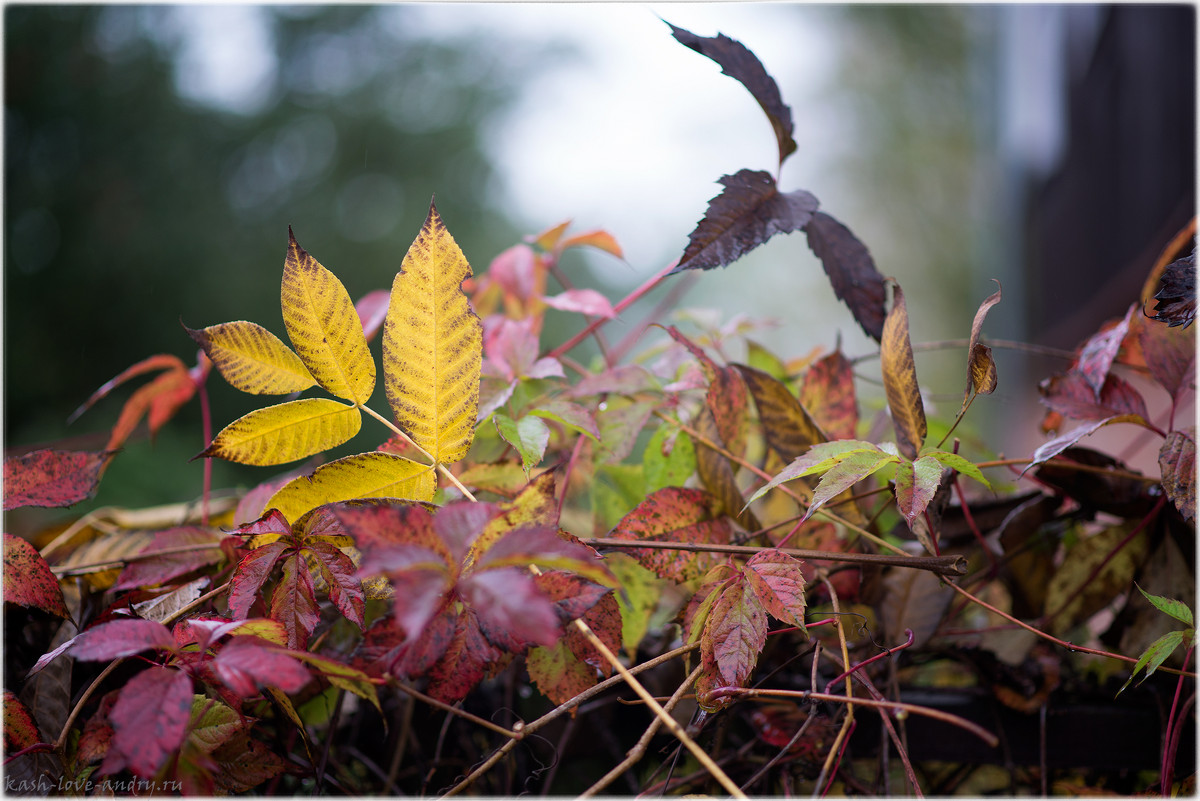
616 489
916 483
529 436
1155 655
846 473
571 415
1176 609
668 463
819 458
959 464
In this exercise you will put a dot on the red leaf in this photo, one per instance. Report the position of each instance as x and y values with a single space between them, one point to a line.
372 309
20 731
746 214
526 545
251 573
459 524
515 271
119 638
28 580
161 569
572 595
149 721
584 301
739 63
601 240
294 602
52 478
511 348
1177 461
675 514
387 647
828 391
512 612
1169 353
345 591
851 271
1071 395
378 526
161 398
273 522
572 665
778 582
735 632
161 361
916 483
1098 353
464 661
246 664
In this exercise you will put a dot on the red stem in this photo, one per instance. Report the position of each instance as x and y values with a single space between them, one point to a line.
36 748
966 510
837 763
1172 741
876 658
206 423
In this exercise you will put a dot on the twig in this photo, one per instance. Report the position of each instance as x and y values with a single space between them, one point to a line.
93 567
649 284
953 566
453 710
848 721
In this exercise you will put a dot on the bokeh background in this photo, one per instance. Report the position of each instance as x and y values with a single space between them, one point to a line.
155 157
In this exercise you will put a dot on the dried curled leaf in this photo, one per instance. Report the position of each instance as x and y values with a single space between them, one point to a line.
746 214
433 345
1176 297
1177 460
981 369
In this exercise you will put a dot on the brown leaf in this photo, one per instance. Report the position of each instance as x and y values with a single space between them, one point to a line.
981 370
746 214
739 63
1177 460
851 271
52 477
900 379
828 390
787 425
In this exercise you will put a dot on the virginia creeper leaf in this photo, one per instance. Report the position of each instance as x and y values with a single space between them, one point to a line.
569 414
253 359
851 271
20 730
345 591
1176 296
916 483
637 598
28 580
463 662
1070 394
735 632
249 576
534 505
819 458
161 569
119 638
739 63
324 327
244 764
544 546
529 436
787 425
512 612
1100 351
1155 655
828 390
340 675
1177 461
149 721
748 212
294 602
246 664
960 465
850 470
433 345
584 301
1176 609
52 477
900 379
1049 450
286 432
777 580
675 514
572 664
716 473
212 723
364 475
1170 354
981 369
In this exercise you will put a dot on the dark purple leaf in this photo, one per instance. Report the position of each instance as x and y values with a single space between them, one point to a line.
1176 296
851 271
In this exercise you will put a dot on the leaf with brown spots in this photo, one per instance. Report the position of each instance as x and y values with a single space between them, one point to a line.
28 580
787 425
981 368
828 390
675 514
52 477
1177 461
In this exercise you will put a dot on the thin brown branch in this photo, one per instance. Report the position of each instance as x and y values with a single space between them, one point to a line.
453 710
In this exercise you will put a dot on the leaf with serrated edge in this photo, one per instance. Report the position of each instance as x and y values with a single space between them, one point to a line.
779 584
1070 394
52 477
294 602
286 432
959 464
253 359
1176 609
828 390
748 212
916 483
1177 461
674 514
850 470
433 345
1154 656
324 328
28 580
251 573
981 369
534 506
364 475
819 458
149 720
787 425
851 270
341 675
119 638
735 632
900 378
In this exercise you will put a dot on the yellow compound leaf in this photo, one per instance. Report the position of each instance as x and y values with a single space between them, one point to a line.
325 330
433 345
365 475
286 432
253 359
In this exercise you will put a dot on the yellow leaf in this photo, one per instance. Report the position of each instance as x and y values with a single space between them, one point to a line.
324 327
286 432
365 475
433 345
900 379
253 359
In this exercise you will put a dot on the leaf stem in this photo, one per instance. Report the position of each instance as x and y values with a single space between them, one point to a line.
453 710
1171 741
445 471
950 565
649 284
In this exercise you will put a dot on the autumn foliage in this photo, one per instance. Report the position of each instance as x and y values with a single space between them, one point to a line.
523 536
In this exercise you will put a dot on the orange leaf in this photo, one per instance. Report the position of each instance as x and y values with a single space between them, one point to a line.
900 379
